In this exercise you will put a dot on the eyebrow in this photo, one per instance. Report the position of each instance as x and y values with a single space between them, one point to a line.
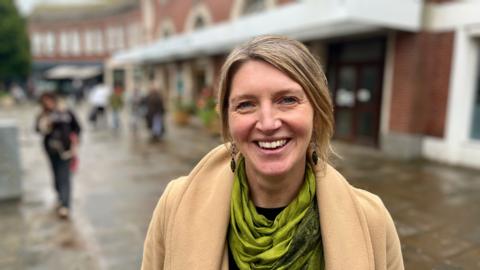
279 93
240 97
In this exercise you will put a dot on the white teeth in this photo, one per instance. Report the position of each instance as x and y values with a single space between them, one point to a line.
272 145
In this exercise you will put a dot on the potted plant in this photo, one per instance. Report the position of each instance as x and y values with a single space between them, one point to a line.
208 114
183 112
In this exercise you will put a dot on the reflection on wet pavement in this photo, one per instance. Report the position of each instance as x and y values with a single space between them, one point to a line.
121 176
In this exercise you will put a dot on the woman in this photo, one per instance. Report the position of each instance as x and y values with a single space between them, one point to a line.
269 200
61 130
154 114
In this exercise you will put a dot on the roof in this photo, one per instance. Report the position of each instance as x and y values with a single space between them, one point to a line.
81 12
304 20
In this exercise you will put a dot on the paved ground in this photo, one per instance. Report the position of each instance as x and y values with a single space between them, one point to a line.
121 176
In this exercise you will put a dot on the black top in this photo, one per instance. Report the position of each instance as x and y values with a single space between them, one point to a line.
61 125
269 213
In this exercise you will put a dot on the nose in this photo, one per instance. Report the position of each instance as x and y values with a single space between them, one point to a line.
268 120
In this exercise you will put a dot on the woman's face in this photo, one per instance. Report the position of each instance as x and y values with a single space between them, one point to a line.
270 119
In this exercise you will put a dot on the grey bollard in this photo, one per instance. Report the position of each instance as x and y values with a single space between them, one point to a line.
10 172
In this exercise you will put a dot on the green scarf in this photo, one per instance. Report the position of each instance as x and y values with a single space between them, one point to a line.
291 241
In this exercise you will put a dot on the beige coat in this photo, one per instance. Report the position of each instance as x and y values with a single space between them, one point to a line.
189 225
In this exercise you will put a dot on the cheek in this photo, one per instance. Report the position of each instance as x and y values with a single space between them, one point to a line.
302 122
240 127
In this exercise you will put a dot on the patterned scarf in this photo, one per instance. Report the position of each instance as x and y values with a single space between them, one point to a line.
291 241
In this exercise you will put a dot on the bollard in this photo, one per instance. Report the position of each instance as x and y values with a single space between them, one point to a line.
10 174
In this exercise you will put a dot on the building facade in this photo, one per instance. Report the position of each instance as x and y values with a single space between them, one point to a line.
402 74
72 42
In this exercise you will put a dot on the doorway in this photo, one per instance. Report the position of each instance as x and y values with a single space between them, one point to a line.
355 74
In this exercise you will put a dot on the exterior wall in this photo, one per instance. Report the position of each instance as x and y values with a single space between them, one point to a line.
126 23
420 87
457 147
420 83
176 17
178 12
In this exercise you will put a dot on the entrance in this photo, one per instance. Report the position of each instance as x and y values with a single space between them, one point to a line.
355 75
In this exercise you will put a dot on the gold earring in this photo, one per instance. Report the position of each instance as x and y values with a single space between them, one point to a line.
233 152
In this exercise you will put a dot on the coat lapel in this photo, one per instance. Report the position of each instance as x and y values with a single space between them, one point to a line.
345 236
202 218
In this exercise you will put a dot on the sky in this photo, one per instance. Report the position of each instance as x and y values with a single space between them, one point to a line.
26 6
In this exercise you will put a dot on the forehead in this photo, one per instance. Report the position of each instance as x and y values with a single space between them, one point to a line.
256 75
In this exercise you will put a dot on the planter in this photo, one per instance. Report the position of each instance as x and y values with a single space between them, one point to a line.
181 118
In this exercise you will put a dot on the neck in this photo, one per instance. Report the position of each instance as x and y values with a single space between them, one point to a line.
275 191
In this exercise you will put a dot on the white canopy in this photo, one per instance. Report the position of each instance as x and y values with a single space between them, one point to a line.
304 20
73 72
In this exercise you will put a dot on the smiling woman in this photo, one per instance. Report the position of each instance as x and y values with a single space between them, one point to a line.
268 199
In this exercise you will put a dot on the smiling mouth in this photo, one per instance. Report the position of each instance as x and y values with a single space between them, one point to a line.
272 145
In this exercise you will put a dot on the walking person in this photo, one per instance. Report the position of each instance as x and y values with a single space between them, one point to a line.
137 110
268 198
116 105
155 114
61 131
98 99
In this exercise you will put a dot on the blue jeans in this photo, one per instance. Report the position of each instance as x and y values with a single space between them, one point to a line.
61 177
115 119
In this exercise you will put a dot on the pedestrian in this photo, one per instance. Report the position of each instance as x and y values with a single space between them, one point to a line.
98 99
155 114
116 104
268 198
18 93
136 109
61 131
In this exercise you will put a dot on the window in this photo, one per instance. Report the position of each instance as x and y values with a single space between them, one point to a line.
75 46
89 42
98 42
36 40
199 23
134 33
115 38
49 43
119 38
166 33
63 43
253 6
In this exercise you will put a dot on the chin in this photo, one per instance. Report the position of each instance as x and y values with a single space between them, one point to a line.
272 168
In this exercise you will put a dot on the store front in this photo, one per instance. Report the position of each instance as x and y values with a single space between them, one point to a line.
355 75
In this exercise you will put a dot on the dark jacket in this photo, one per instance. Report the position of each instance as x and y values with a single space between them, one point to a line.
57 127
154 105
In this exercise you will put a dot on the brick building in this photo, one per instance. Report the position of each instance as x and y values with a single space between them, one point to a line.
72 41
403 73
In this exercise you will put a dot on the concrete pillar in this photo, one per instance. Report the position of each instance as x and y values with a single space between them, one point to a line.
10 174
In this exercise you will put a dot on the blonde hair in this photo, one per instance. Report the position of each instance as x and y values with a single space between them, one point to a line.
293 59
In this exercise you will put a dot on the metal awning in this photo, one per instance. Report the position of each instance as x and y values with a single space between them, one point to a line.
306 20
73 72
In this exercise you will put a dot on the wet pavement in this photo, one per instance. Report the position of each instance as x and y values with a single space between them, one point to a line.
122 175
